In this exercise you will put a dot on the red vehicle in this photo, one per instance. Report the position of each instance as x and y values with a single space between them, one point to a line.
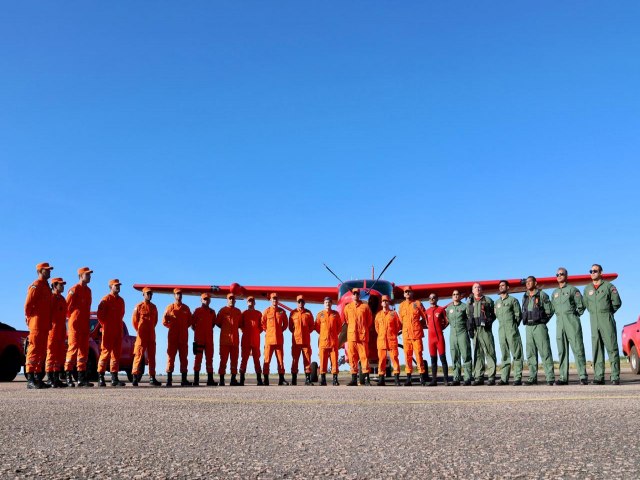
13 344
631 344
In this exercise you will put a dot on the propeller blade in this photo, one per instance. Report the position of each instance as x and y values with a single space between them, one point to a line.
381 273
332 273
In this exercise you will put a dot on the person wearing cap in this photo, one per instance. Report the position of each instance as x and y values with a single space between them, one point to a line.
228 320
436 323
110 315
56 347
480 318
37 310
250 324
204 319
274 323
144 320
413 317
328 325
301 326
387 327
79 312
177 318
358 317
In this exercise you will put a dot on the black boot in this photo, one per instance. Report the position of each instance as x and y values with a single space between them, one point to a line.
367 382
323 379
266 380
307 379
381 382
169 379
185 381
408 382
152 381
294 379
335 380
39 380
445 370
354 380
259 379
101 382
196 378
434 371
69 376
221 382
58 380
115 381
423 379
242 379
281 380
135 381
210 381
234 381
396 379
83 379
51 380
31 382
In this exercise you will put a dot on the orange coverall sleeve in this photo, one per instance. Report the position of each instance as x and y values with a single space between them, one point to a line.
263 322
135 318
102 312
168 316
283 324
29 304
290 322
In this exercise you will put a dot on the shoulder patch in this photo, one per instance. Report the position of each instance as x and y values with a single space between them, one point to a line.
71 292
33 286
556 295
614 290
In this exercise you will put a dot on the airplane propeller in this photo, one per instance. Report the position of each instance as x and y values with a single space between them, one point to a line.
331 271
381 273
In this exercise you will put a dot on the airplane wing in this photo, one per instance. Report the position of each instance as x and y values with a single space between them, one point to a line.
490 287
285 294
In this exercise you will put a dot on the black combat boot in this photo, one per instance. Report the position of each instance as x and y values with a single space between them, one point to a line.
221 382
323 379
381 382
367 382
336 383
423 379
242 379
307 379
196 378
354 380
266 380
396 379
39 380
115 381
234 381
83 379
185 381
408 382
101 382
445 371
135 381
31 382
152 381
281 380
434 371
259 379
294 379
210 381
169 379
58 380
69 376
51 380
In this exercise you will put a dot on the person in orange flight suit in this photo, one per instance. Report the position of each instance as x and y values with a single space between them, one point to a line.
436 322
301 326
413 317
177 318
250 345
37 310
78 312
110 315
204 319
229 319
328 326
387 326
56 347
144 320
274 322
358 317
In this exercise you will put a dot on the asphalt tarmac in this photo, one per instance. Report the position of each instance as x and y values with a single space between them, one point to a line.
573 431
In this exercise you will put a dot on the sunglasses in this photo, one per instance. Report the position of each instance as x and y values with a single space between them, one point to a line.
594 271
456 294
407 291
562 274
385 301
300 301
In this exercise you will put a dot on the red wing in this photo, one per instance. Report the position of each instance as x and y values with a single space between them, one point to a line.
490 287
285 294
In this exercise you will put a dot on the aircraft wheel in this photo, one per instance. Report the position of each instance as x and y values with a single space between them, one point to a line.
314 371
634 361
9 364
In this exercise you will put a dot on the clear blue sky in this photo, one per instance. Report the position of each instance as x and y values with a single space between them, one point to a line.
210 143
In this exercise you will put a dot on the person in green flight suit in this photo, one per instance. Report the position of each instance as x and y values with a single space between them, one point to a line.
480 319
536 312
459 339
508 314
602 300
568 305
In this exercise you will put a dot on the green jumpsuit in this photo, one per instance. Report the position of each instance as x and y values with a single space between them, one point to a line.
538 334
508 314
567 303
459 340
602 303
483 343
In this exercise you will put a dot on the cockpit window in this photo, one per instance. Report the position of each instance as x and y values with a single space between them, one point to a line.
382 286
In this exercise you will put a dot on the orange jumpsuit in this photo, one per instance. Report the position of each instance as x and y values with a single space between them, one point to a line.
328 326
177 318
251 329
411 313
56 347
78 312
274 322
359 320
145 319
110 315
301 326
387 326
228 320
204 319
436 318
37 309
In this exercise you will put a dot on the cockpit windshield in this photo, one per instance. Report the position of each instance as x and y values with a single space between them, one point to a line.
382 286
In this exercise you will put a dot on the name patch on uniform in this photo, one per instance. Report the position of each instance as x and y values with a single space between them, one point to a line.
451 311
590 292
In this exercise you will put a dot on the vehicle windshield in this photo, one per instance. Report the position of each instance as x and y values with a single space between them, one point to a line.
382 286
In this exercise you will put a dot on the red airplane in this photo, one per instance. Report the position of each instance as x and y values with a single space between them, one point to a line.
371 292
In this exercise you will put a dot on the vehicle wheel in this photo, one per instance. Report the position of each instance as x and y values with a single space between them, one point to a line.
9 365
314 371
634 361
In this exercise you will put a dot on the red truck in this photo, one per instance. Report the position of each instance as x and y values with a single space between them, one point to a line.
631 344
13 346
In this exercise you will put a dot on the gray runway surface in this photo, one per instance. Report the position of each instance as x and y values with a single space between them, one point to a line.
310 432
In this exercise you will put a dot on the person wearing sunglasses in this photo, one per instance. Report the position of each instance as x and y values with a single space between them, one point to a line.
509 315
481 312
602 300
537 310
568 305
301 325
414 320
459 340
274 323
387 325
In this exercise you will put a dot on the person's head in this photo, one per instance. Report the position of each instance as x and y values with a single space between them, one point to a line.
503 287
386 302
57 285
455 296
147 294
356 294
205 299
561 274
114 286
408 292
177 295
300 301
44 270
433 299
274 299
477 290
84 274
231 300
328 303
531 282
251 303
596 272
